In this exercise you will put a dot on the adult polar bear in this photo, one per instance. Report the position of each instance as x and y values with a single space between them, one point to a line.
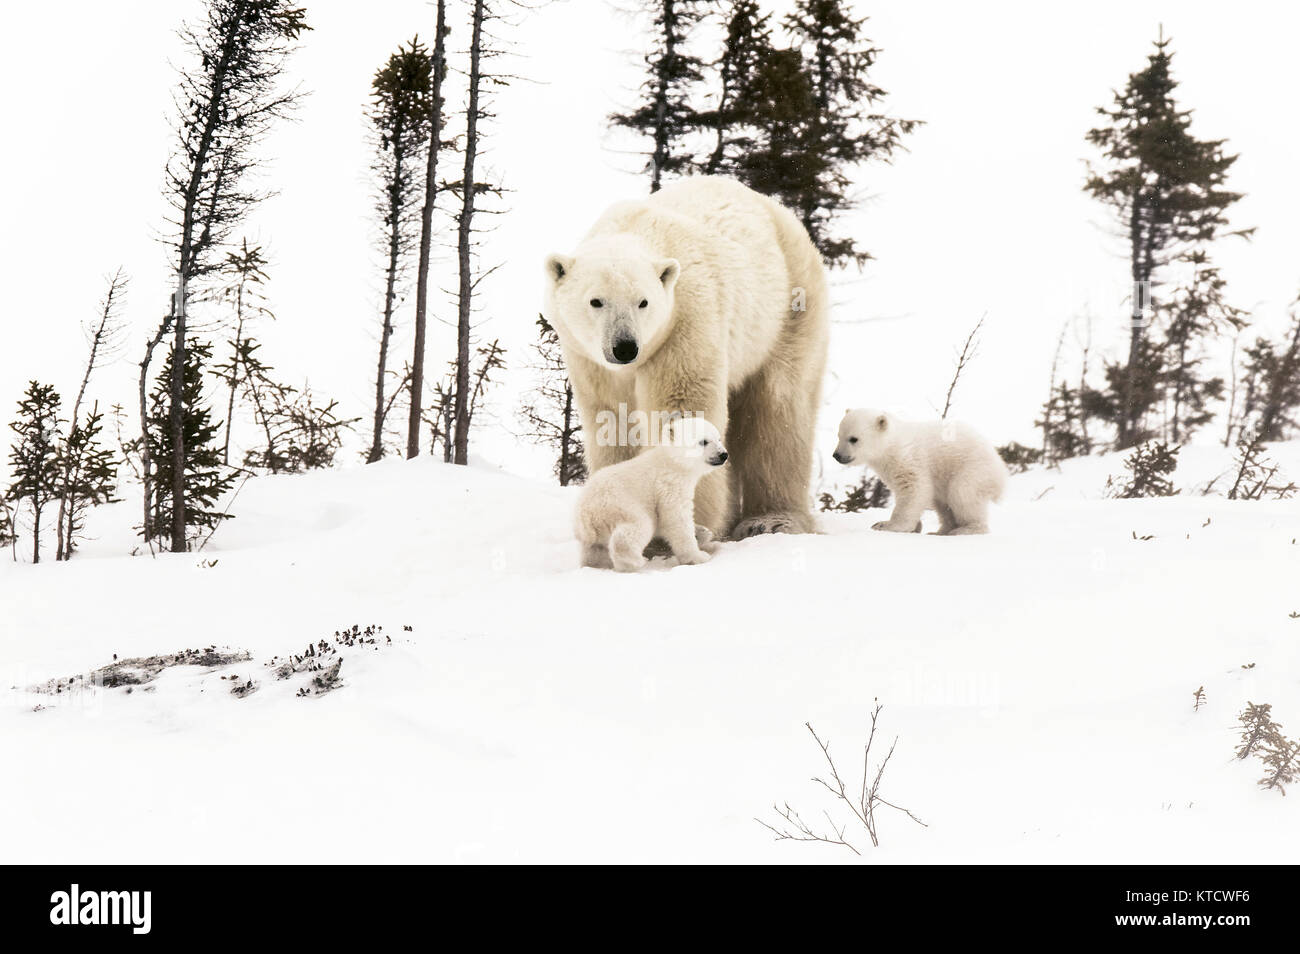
709 298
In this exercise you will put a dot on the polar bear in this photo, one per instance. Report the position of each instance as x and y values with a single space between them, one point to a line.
929 465
709 299
625 505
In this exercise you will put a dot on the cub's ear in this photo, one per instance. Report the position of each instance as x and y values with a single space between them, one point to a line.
882 422
557 266
668 269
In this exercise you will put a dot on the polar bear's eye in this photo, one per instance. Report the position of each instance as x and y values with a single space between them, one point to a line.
644 304
597 303
853 440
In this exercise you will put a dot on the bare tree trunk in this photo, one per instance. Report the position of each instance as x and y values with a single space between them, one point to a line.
463 243
176 413
967 355
149 526
234 369
566 435
1232 392
426 235
1086 349
377 439
390 291
63 527
176 420
1049 416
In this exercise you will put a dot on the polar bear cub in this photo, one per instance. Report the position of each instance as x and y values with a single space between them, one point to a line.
929 465
625 505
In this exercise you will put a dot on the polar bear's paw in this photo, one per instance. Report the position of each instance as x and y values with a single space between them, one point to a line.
772 523
884 525
704 539
695 559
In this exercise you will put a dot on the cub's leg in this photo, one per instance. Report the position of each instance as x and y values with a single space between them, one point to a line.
970 510
627 544
679 531
947 520
596 555
911 496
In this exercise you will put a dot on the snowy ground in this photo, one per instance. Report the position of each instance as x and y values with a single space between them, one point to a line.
1039 680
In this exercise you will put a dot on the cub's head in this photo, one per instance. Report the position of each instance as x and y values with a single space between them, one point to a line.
613 307
864 433
694 442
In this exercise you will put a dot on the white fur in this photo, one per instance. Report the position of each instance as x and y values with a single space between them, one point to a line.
625 505
944 466
733 328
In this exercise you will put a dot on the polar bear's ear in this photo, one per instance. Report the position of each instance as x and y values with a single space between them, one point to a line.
882 422
668 269
557 266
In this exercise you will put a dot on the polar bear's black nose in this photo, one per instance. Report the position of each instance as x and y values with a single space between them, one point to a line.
840 458
719 460
625 350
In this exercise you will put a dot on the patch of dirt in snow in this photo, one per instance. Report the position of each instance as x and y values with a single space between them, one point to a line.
321 659
141 670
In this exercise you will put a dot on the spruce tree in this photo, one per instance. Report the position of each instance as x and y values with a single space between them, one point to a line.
81 453
776 106
8 534
1168 190
846 127
205 478
1062 426
666 113
245 274
1136 383
1272 384
88 478
401 113
34 459
226 99
1151 467
748 44
1197 313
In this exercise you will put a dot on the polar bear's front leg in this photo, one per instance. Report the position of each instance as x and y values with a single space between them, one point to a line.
681 536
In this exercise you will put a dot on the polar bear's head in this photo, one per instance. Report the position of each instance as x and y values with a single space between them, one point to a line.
693 442
615 306
864 434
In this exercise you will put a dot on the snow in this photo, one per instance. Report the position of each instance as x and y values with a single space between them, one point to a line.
1039 681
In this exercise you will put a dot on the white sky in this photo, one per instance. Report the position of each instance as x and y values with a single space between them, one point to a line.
983 214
